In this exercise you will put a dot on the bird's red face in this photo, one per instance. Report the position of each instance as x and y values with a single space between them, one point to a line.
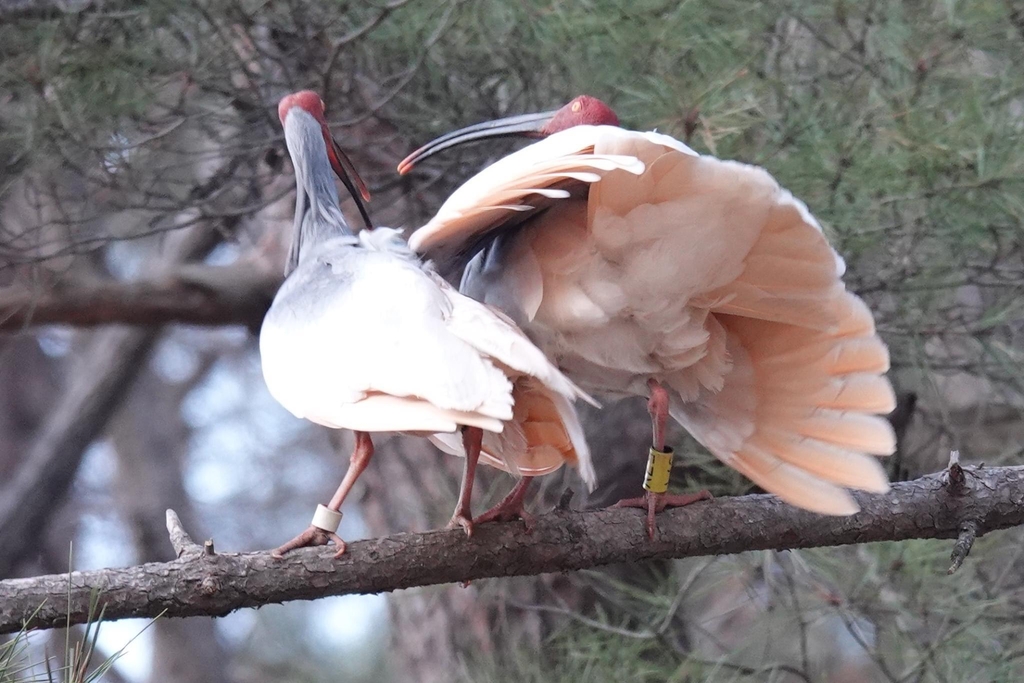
312 104
306 100
582 111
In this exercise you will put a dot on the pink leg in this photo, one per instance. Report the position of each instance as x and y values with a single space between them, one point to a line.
657 407
314 536
472 437
511 506
654 503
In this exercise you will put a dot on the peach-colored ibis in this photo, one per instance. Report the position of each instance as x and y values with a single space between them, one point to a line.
643 268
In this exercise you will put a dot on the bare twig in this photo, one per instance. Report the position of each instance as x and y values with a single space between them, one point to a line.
560 541
963 545
183 544
956 484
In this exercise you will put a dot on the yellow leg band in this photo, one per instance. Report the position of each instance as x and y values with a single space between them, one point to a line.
659 469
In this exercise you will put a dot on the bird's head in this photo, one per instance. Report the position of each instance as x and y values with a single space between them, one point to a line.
307 100
316 158
305 124
581 111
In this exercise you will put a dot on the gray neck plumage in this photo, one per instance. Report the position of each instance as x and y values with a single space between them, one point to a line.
318 214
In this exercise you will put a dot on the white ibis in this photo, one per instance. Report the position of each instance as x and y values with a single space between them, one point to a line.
363 336
643 268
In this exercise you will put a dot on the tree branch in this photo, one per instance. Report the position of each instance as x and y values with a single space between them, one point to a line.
198 295
214 585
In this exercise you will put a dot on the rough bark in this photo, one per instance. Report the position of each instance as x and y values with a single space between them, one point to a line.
197 295
201 583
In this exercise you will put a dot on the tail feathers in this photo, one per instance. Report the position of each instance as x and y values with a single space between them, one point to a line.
838 465
569 420
799 411
791 483
825 354
855 431
860 392
452 445
543 434
552 432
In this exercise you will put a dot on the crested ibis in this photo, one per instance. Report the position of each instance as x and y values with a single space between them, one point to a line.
363 336
644 268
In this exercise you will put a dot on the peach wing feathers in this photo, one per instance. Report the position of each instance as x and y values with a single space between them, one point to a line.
515 185
798 407
793 382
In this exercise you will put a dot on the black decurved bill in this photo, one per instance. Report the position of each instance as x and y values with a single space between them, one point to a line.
346 171
524 125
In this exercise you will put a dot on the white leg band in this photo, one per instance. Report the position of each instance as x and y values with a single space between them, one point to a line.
326 519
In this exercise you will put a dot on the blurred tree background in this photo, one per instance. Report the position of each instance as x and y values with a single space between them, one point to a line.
141 140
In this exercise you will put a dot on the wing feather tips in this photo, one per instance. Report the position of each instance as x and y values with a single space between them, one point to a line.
571 422
792 484
386 413
826 461
479 204
815 425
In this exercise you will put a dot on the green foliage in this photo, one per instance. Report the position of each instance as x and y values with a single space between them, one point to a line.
19 662
885 612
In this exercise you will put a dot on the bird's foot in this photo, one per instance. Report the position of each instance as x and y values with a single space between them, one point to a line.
509 509
310 538
656 502
464 519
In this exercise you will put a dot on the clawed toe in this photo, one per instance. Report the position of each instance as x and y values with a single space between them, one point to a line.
463 521
310 538
507 514
654 503
640 502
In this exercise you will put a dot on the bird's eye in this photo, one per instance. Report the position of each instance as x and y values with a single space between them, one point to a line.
576 106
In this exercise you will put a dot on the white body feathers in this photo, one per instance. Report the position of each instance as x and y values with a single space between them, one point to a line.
361 336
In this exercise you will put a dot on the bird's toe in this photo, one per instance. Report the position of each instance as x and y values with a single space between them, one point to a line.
464 521
311 537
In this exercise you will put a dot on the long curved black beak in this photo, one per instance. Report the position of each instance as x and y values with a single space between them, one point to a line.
524 125
346 171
